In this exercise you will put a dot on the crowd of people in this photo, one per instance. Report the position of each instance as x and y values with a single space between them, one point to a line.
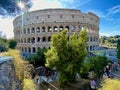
111 67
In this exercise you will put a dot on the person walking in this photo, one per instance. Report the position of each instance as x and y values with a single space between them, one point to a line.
93 84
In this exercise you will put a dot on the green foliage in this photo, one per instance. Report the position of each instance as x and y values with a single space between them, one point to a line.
39 58
12 43
67 55
95 64
3 45
109 41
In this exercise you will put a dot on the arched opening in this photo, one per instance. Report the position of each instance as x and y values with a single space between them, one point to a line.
33 30
38 39
38 29
28 30
90 47
43 29
49 29
25 49
24 40
21 40
49 39
29 49
34 50
33 40
55 29
67 28
44 39
95 39
28 40
60 28
90 38
24 31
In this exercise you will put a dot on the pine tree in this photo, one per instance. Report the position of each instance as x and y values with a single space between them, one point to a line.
67 55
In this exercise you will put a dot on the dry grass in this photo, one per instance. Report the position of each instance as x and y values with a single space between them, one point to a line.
22 73
28 84
18 63
111 84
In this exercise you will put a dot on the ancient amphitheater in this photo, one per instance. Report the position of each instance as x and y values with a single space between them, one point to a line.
34 29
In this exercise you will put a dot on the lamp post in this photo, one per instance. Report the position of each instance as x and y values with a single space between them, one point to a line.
22 6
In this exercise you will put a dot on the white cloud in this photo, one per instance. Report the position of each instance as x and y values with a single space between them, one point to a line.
98 13
6 26
43 4
80 3
114 10
6 23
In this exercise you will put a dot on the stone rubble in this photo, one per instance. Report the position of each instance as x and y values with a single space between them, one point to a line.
8 80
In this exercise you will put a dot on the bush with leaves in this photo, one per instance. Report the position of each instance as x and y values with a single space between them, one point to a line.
96 64
12 43
39 58
67 55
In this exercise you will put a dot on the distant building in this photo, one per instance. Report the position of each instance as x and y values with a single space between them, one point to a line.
38 26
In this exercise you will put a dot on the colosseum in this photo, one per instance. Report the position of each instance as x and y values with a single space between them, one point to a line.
33 30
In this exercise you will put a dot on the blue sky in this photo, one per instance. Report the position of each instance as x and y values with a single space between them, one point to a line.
107 10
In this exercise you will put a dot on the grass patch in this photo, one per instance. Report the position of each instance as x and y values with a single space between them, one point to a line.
20 69
111 84
28 84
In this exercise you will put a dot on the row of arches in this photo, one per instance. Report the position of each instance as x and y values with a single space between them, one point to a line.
48 39
29 49
34 49
71 28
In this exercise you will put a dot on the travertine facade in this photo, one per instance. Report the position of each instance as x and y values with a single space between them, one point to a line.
34 29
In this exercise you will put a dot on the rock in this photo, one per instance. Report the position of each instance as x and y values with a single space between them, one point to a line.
8 80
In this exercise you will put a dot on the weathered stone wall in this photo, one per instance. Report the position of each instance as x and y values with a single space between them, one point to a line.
34 29
8 80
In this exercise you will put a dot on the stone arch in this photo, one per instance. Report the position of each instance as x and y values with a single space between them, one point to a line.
38 30
28 30
33 40
21 40
38 39
29 49
33 30
90 38
49 29
33 49
24 40
43 29
49 39
67 28
90 47
28 40
24 31
60 28
55 29
25 49
44 39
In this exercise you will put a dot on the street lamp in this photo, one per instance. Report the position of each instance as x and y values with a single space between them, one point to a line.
22 7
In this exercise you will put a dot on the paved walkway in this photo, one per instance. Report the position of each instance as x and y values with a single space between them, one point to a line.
116 74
